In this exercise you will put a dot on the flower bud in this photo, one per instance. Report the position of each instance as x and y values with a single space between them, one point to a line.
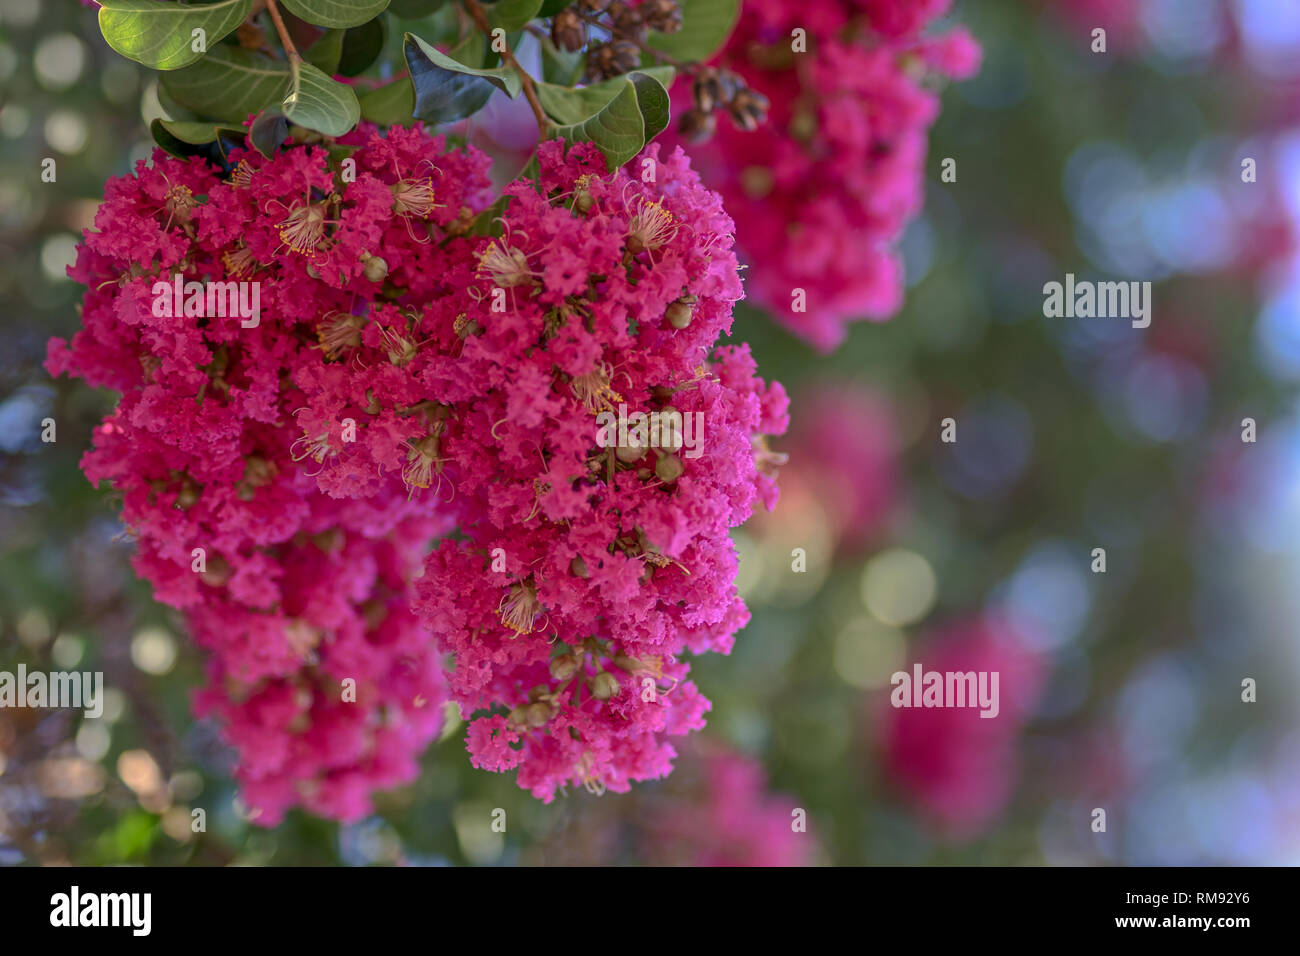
375 268
217 573
538 714
679 313
630 453
668 468
563 667
604 686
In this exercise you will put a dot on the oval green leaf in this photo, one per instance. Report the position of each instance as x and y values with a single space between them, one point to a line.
338 14
228 84
511 15
446 90
317 102
161 35
618 116
391 104
706 24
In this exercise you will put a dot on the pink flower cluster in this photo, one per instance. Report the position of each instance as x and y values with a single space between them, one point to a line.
584 569
294 593
821 191
411 373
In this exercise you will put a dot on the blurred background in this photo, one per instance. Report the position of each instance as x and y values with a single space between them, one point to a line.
1121 690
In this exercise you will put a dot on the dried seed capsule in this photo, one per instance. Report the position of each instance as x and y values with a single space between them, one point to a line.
662 15
606 60
568 32
697 126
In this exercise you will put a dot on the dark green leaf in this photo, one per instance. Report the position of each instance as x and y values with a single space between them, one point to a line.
160 35
336 13
195 134
228 84
317 102
324 53
185 139
268 131
706 24
551 7
447 90
619 116
511 15
390 104
362 46
412 9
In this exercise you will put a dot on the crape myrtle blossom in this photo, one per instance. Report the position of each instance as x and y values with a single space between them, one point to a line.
821 191
583 572
411 374
290 590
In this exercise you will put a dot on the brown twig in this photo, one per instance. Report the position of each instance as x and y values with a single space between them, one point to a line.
526 80
290 50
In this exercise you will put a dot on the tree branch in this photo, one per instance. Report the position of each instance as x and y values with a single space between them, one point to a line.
290 50
530 91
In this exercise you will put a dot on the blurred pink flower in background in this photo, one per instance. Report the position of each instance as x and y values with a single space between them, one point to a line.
727 818
821 190
958 768
843 443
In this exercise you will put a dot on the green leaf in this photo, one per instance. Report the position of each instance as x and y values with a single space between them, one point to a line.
324 53
317 102
485 223
511 15
413 9
192 133
361 47
228 84
185 139
706 24
160 35
268 131
447 90
619 116
559 66
551 7
390 104
471 51
336 13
